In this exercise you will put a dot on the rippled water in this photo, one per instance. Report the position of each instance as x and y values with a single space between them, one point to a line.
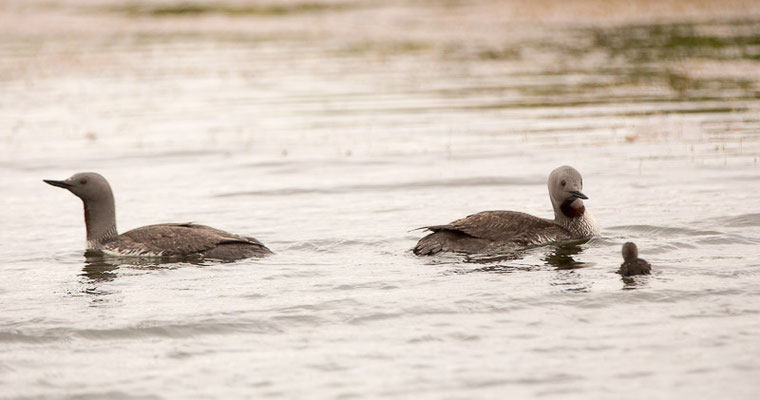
329 131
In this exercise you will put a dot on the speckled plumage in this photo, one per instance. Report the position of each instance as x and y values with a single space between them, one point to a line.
497 230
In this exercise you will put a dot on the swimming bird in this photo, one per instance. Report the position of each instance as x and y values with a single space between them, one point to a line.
491 231
632 264
186 240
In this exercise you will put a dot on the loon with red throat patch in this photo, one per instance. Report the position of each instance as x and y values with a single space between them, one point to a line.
490 231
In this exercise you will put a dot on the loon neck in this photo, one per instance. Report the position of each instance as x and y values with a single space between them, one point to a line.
100 220
571 208
572 215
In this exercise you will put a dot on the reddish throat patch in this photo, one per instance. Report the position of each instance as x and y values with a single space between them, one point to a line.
571 212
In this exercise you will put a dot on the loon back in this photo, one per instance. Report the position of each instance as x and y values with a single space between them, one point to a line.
490 229
184 240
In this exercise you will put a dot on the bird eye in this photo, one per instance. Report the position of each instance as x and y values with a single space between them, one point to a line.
563 183
84 182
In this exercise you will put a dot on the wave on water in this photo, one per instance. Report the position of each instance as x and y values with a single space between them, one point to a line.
699 236
167 329
429 184
662 230
742 220
331 245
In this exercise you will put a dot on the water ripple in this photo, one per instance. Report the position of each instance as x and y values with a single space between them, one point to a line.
412 185
171 330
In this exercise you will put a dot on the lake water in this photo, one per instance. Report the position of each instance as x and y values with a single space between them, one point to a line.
330 130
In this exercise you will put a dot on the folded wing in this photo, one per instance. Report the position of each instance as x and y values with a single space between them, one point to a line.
183 240
478 232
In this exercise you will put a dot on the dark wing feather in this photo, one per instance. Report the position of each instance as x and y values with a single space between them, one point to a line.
178 240
507 227
490 231
444 240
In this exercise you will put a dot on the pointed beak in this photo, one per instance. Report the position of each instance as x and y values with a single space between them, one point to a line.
579 195
61 184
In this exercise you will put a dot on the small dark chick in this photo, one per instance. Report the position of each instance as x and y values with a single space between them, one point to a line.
632 264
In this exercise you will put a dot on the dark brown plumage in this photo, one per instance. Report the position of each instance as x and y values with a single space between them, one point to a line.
176 241
505 231
632 264
184 240
487 230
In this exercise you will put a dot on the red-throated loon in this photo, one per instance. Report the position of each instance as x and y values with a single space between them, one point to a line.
490 231
162 240
632 264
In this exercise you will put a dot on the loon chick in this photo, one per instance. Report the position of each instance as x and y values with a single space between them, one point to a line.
490 231
632 264
163 240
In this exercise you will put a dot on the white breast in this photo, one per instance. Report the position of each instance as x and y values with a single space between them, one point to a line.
133 252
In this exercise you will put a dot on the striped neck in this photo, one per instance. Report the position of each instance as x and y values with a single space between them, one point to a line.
573 216
100 220
581 227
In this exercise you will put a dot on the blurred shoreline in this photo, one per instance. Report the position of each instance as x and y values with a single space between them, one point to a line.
83 17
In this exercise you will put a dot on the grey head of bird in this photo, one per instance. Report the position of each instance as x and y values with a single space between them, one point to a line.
88 186
630 251
99 213
565 190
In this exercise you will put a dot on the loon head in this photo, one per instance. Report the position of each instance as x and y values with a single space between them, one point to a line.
630 251
99 213
88 186
565 185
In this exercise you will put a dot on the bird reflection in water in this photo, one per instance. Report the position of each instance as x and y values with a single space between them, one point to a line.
99 268
635 282
567 278
501 262
560 256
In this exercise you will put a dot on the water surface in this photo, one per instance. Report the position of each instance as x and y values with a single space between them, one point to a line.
330 130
